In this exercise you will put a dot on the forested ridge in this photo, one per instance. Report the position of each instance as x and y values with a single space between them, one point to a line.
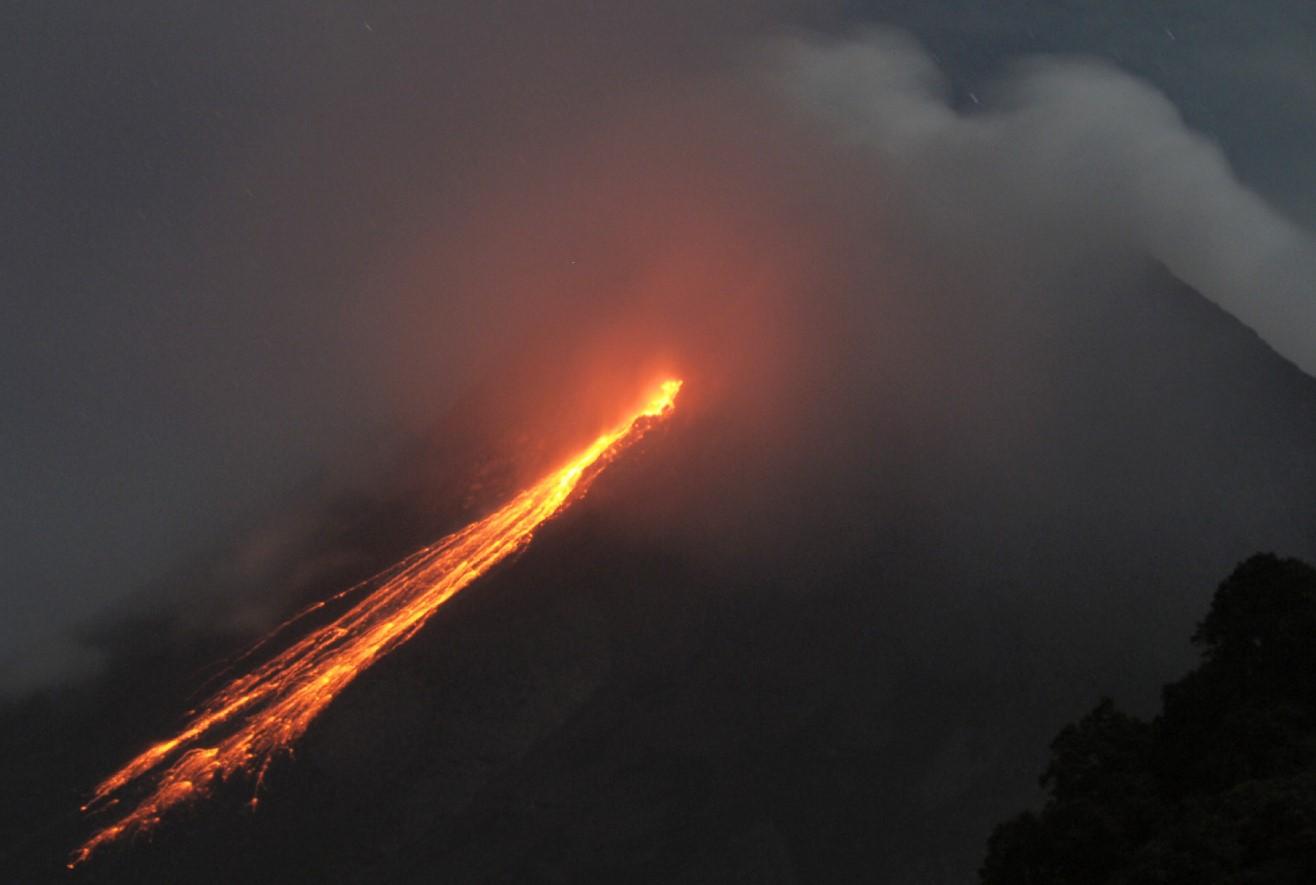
1219 787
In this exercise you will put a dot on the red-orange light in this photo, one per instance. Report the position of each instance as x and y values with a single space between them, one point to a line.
247 723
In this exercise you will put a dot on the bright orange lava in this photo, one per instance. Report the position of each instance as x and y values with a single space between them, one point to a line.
248 722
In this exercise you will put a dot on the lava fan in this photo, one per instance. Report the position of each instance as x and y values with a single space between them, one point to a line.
247 723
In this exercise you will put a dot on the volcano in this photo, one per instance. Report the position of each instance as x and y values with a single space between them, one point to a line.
653 692
262 713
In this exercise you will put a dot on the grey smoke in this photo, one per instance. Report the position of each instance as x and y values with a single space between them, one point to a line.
557 193
942 383
1068 155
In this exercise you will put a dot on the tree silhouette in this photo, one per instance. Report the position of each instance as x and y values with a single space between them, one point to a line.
1220 787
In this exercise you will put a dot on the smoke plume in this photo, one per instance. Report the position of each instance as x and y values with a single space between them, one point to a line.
826 236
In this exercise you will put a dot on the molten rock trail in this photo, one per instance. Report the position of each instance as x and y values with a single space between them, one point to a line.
246 724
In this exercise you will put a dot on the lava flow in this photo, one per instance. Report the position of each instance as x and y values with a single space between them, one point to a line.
245 725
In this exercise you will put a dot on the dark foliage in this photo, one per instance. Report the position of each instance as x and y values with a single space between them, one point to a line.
1221 787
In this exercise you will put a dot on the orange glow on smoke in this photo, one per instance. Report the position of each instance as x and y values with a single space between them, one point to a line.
245 725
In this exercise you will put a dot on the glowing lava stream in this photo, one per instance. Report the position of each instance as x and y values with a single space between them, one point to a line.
248 722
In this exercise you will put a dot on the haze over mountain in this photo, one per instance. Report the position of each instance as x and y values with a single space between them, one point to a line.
993 371
824 666
249 245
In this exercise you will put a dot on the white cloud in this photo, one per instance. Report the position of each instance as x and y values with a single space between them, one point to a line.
1067 155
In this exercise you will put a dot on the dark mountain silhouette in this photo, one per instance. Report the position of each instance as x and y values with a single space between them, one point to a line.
739 660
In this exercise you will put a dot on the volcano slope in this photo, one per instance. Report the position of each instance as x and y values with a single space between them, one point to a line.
736 661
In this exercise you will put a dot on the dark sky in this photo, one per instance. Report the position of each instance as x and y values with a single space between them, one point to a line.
222 221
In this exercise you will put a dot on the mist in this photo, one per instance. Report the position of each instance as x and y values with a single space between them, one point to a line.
809 227
1066 157
989 376
246 260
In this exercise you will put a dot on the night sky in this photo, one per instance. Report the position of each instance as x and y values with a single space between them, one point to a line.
253 252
